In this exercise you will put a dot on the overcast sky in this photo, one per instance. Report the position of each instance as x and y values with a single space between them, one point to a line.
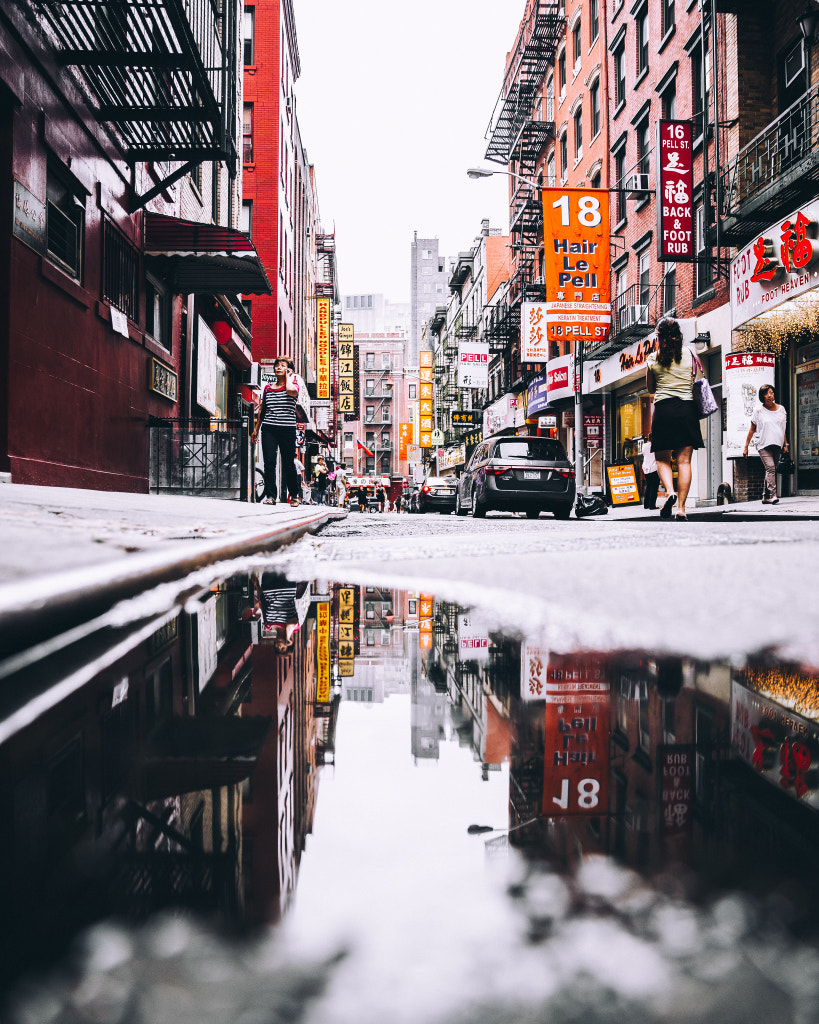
393 103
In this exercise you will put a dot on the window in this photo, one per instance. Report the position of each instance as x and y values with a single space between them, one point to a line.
426 254
550 100
620 172
578 132
577 45
595 180
370 413
561 73
703 268
643 271
247 133
642 41
700 88
248 35
385 361
348 439
157 306
620 75
564 157
370 385
246 218
669 101
670 288
668 15
594 95
369 360
594 19
413 388
120 284
65 221
644 147
550 170
412 608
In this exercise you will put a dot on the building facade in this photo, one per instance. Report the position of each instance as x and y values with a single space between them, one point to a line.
428 287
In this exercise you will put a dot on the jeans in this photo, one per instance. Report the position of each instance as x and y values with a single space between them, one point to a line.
770 457
275 440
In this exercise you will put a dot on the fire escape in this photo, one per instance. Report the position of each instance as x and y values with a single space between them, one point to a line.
380 392
517 139
160 75
327 287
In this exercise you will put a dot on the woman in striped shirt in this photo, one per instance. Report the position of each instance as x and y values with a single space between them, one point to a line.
277 418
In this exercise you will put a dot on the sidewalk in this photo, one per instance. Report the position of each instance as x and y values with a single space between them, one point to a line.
65 547
797 508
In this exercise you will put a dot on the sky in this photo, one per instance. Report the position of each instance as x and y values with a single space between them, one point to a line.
393 104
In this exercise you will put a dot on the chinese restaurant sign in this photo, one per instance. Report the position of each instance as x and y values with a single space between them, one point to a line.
744 375
347 377
346 631
426 394
473 364
323 347
576 738
578 271
777 265
675 192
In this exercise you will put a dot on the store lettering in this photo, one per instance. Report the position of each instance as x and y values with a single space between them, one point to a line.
628 360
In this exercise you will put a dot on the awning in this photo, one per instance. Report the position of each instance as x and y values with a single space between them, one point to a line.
203 258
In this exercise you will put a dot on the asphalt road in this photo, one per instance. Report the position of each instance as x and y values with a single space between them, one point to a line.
705 589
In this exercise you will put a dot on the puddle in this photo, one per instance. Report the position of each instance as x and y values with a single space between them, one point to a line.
328 802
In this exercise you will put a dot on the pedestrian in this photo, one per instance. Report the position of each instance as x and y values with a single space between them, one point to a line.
299 470
362 498
320 474
280 619
769 422
651 475
397 503
277 419
381 494
675 426
341 489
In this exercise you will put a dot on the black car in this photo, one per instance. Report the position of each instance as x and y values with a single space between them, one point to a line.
517 474
436 494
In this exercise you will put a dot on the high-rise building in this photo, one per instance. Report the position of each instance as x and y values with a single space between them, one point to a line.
428 288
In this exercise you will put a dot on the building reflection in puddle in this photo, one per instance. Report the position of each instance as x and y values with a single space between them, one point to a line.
186 771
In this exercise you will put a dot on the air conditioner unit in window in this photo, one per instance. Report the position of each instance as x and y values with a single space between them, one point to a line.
638 183
631 315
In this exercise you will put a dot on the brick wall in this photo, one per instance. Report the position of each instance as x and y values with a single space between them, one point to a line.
749 475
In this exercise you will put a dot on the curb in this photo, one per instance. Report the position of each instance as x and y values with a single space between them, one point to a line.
44 606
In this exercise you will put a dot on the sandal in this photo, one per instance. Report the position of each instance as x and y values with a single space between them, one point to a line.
665 511
294 503
683 517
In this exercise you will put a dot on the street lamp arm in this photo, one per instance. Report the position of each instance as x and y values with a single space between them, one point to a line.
483 172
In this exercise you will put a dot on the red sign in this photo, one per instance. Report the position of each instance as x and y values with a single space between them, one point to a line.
676 789
576 760
675 192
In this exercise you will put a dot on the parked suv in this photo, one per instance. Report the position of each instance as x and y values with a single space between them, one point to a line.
517 474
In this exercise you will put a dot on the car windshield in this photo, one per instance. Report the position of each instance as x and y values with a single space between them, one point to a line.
532 448
438 481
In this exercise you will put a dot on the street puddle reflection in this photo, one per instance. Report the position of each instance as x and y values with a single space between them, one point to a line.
339 802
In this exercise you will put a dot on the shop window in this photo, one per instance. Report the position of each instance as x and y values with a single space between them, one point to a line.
157 313
65 221
120 281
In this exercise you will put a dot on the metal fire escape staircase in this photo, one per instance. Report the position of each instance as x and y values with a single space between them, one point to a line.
161 75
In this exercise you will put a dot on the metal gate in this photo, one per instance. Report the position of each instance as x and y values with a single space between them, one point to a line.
205 457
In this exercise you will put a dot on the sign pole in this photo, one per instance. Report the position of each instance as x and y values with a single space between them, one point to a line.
579 452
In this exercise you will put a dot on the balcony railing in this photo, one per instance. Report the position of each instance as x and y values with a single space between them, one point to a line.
774 173
635 313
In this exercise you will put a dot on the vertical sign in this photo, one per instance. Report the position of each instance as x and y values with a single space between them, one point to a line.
534 347
206 368
346 631
323 347
578 271
473 364
346 368
427 394
576 751
675 192
426 609
745 373
676 789
404 439
323 651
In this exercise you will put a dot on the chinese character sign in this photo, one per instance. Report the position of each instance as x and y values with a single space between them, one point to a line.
745 373
473 364
675 192
578 271
533 345
323 651
346 369
425 358
322 347
404 439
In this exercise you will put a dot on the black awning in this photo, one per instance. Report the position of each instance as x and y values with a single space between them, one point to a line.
203 258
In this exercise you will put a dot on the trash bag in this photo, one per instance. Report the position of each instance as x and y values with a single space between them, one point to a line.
590 505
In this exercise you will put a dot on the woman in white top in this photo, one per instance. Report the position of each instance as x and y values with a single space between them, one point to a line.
769 423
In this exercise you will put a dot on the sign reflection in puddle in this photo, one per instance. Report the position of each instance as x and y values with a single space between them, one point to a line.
189 772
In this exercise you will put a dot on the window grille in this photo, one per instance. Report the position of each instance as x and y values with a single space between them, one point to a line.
120 272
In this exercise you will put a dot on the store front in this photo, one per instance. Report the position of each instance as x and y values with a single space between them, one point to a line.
775 311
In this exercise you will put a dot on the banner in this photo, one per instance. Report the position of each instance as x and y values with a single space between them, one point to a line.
473 364
745 373
322 347
323 651
578 266
675 192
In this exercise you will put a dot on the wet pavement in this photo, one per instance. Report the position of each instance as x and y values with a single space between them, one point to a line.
325 800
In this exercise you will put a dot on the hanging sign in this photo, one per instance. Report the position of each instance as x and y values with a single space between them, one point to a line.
534 346
323 347
675 192
473 364
745 373
323 651
346 368
561 380
578 270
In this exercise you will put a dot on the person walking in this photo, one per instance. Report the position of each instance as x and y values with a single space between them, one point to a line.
381 494
675 426
277 420
320 474
651 475
769 422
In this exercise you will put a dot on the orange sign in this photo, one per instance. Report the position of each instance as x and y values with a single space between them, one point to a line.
426 390
426 407
425 374
623 485
426 359
322 347
404 438
578 264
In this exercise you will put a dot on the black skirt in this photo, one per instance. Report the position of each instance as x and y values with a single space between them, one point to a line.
675 425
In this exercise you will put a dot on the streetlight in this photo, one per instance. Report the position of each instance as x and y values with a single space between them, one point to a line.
485 172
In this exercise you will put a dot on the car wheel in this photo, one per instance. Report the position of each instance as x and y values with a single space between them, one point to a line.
562 511
459 509
532 513
478 508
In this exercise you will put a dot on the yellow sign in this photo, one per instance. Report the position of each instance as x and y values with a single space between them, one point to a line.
322 347
623 485
346 332
426 390
426 407
346 631
323 651
346 668
426 358
425 373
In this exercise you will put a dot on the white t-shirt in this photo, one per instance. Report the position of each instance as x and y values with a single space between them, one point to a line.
770 426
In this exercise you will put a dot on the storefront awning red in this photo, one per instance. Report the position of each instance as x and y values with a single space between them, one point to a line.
203 258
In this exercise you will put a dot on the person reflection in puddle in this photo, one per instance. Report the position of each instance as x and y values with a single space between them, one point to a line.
280 619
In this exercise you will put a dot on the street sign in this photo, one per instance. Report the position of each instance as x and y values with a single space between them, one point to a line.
437 437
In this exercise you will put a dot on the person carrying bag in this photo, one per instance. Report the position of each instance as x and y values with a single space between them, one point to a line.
769 422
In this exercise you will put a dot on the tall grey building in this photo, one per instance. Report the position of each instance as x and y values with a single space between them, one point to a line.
428 289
